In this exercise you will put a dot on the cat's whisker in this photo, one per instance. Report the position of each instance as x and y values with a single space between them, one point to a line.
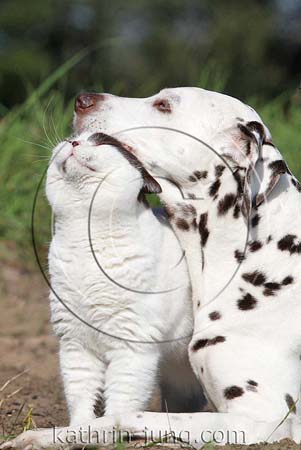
36 144
44 123
58 137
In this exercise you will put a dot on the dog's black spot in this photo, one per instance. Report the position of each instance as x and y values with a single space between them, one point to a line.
269 238
287 243
236 211
270 288
248 148
247 302
170 212
255 220
225 204
290 403
182 224
199 304
233 392
213 190
200 174
202 369
188 210
296 184
239 179
278 167
201 343
219 170
287 280
272 285
239 256
204 232
216 340
256 278
194 223
215 315
252 385
268 292
255 245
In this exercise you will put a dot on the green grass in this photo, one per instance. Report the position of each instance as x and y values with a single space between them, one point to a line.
6 437
29 132
283 120
25 149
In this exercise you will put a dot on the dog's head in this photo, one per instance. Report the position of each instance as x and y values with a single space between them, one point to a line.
95 164
184 133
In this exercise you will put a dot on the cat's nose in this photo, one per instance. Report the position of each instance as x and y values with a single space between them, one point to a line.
86 102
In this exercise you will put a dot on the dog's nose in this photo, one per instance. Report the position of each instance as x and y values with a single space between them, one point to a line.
86 102
74 143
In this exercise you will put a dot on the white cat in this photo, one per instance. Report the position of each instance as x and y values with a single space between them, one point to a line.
121 299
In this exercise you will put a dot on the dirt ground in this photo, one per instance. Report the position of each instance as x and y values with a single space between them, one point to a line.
28 351
31 393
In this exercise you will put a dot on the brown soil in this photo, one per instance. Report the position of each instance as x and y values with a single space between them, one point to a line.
26 344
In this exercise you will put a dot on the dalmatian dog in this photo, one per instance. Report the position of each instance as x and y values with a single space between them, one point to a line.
235 207
121 270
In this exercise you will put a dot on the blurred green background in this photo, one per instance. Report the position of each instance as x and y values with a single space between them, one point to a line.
52 49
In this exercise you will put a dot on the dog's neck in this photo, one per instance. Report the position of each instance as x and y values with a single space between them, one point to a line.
224 231
213 228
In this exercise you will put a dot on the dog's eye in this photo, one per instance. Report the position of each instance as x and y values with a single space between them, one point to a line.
162 105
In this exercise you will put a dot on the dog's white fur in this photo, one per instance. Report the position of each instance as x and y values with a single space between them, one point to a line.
115 366
248 356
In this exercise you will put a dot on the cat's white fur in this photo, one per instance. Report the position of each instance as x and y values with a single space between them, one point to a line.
117 365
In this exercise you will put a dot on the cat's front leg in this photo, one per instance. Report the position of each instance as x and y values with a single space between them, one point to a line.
130 380
83 376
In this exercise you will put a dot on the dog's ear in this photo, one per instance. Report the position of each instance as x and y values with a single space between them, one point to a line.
254 153
150 185
269 167
252 135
